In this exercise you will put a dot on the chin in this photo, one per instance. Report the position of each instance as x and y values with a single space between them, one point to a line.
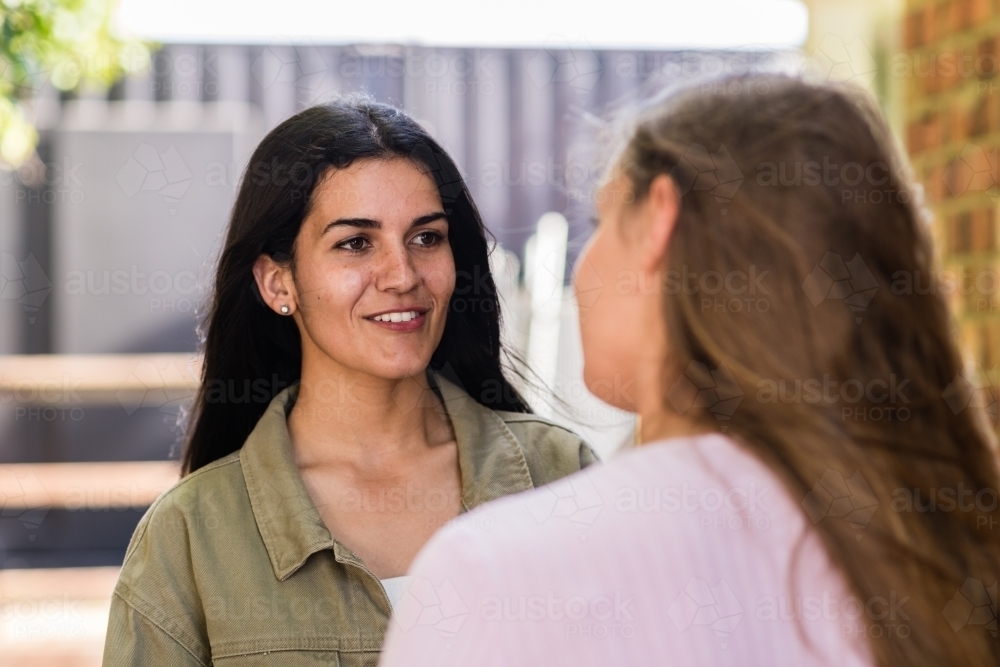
604 382
401 370
599 383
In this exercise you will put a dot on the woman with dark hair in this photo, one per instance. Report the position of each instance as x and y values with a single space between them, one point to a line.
801 410
353 400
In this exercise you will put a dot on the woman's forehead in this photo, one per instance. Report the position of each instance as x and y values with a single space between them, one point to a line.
375 186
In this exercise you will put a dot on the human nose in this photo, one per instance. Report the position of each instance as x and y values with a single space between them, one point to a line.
396 272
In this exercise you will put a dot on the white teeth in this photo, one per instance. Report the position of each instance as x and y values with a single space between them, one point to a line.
396 317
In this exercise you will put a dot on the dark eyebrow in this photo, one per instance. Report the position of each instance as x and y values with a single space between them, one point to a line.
368 223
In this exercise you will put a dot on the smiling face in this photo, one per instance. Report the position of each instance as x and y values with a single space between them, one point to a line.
374 271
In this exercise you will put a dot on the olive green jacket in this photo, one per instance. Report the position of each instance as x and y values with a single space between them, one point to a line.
233 565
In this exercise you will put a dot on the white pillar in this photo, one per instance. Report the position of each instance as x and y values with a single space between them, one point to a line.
545 270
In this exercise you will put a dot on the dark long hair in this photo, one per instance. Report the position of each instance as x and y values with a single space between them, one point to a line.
250 352
750 156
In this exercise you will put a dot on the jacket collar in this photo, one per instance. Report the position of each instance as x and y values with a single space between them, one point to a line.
490 458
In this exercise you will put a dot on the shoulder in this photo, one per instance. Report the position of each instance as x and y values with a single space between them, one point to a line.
195 504
655 524
552 451
668 487
159 576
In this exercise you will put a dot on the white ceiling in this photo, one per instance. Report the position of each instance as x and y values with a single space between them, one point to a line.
583 24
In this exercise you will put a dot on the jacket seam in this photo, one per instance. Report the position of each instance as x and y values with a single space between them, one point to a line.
330 644
157 625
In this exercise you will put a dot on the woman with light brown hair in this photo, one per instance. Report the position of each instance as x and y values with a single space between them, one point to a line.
747 283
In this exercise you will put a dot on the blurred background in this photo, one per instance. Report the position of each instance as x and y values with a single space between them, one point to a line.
124 129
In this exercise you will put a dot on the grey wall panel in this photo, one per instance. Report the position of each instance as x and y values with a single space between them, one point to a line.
275 72
434 93
530 177
11 253
489 143
138 248
319 77
230 66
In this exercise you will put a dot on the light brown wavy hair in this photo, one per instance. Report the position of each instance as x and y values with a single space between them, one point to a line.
748 156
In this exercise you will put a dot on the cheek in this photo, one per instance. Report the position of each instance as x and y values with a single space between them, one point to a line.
601 281
338 288
594 280
439 276
349 283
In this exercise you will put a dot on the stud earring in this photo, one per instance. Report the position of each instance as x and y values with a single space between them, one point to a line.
284 309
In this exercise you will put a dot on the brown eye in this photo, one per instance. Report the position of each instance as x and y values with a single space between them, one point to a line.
427 238
355 244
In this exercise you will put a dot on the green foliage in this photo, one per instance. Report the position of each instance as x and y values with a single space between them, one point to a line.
64 41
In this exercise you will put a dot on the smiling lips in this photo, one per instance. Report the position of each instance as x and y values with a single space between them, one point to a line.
400 320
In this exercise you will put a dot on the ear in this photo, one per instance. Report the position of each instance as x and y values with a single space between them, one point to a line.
271 278
662 205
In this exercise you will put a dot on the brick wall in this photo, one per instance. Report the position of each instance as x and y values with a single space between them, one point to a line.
951 66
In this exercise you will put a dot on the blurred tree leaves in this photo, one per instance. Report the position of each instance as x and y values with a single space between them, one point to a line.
66 42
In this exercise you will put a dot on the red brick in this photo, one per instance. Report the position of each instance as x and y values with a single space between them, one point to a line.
953 19
981 10
932 132
982 232
959 129
934 184
930 29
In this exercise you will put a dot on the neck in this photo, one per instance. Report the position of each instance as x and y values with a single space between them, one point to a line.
657 421
344 416
662 424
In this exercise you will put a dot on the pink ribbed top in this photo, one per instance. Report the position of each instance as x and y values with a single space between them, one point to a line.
680 552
